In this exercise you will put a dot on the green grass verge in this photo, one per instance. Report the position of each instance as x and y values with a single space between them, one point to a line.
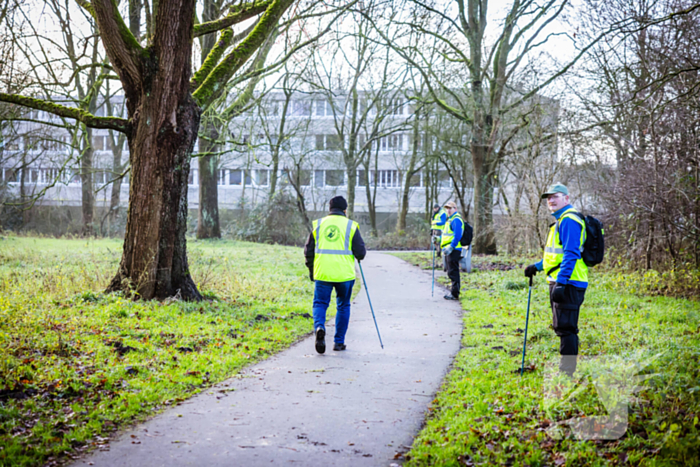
76 364
486 414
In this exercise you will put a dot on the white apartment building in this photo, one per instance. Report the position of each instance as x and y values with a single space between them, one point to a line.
42 160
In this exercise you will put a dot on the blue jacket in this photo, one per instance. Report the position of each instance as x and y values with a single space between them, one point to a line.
457 226
570 235
442 219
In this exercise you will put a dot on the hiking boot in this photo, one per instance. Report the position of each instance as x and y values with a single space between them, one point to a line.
338 347
449 296
320 340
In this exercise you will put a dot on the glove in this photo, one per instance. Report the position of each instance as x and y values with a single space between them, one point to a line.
558 293
448 250
311 275
531 271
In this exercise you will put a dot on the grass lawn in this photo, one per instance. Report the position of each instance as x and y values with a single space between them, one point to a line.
76 364
487 414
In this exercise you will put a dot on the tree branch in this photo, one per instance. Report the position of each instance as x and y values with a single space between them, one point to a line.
238 14
124 51
212 59
213 86
110 123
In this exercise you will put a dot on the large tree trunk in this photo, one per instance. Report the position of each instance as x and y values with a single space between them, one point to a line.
485 237
208 225
154 261
352 183
409 173
164 124
88 193
117 169
208 217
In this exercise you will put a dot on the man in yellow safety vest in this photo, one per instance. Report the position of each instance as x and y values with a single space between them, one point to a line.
452 247
566 271
437 225
330 252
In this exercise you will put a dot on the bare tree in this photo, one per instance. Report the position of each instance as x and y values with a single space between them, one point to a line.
645 103
478 82
357 84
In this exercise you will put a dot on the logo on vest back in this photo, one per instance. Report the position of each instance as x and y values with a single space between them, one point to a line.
332 233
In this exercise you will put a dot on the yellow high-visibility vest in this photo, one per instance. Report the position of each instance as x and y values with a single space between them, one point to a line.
554 251
436 218
333 258
448 233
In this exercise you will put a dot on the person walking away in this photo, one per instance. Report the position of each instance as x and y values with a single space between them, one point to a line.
567 274
437 224
330 250
452 248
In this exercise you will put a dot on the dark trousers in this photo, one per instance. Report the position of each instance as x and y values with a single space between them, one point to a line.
565 321
322 299
453 271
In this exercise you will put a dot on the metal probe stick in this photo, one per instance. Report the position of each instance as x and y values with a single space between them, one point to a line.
527 320
432 248
370 304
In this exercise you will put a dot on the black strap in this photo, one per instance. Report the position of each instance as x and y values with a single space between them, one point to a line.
549 273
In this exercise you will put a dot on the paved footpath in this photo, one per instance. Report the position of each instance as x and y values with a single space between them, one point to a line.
353 408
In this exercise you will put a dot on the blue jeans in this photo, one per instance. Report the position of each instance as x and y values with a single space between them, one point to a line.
322 298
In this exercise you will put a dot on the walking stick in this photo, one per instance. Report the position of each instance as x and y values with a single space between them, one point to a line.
370 304
432 248
527 320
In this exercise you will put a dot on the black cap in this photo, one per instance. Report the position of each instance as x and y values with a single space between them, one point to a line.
436 206
338 202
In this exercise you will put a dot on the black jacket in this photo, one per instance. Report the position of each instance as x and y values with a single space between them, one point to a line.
358 245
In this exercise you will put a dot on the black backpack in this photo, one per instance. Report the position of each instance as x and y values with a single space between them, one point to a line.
594 246
467 234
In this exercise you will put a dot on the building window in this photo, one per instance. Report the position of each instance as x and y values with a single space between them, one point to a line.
319 179
49 176
222 177
235 177
387 178
11 175
394 106
334 142
301 108
262 177
305 177
335 177
361 178
329 142
57 143
363 107
391 143
323 108
363 144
